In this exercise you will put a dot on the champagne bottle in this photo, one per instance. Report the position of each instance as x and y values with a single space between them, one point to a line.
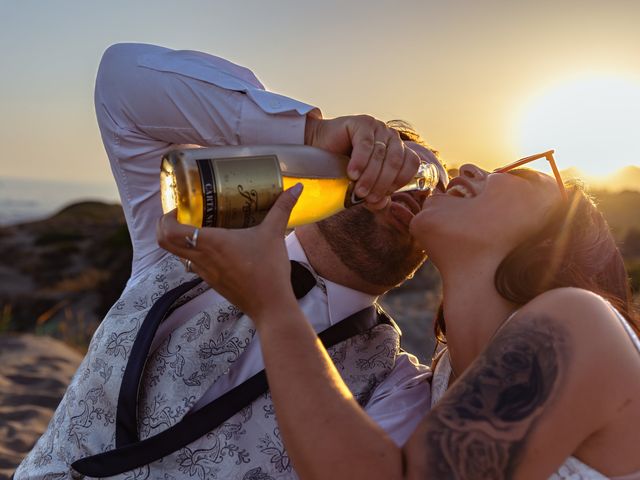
234 186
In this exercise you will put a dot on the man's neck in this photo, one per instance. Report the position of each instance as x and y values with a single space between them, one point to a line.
327 264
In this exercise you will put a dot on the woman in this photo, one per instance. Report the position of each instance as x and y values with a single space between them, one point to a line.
541 373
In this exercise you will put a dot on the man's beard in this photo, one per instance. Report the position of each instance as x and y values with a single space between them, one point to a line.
379 254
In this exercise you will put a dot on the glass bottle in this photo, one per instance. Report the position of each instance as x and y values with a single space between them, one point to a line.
234 186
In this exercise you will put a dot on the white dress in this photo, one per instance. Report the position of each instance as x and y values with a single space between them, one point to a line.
572 468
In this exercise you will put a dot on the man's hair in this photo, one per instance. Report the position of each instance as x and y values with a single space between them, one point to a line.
574 248
409 134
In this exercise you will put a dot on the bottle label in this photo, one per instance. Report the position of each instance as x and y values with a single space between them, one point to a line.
209 196
238 192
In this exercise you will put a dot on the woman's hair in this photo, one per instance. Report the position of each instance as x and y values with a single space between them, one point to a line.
574 248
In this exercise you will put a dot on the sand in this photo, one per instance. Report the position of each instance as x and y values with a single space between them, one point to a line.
34 374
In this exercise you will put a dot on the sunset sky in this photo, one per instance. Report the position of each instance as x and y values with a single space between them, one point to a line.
484 81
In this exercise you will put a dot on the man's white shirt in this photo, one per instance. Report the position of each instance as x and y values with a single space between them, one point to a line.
151 99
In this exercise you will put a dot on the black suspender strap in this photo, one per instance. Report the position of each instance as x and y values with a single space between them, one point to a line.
302 281
127 413
131 453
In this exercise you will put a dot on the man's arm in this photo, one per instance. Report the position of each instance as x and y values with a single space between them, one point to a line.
400 402
150 98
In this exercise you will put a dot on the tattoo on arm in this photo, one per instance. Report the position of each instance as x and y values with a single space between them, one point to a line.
480 428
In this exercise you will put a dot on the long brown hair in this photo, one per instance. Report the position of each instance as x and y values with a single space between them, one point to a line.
574 248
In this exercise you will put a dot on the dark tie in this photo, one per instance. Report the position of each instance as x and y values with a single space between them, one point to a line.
302 280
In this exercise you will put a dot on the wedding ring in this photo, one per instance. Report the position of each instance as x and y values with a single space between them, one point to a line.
193 240
380 142
187 266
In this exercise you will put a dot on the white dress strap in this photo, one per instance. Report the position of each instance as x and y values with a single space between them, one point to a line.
627 328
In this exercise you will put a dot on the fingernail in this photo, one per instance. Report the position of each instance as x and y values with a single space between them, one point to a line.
374 198
361 192
354 173
296 190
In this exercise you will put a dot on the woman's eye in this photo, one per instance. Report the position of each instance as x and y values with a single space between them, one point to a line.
528 175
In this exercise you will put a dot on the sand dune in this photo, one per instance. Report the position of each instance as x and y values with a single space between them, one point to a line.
34 373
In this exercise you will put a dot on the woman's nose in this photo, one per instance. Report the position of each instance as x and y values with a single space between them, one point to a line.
472 171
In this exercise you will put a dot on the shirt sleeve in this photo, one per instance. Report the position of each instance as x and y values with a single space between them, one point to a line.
401 401
149 99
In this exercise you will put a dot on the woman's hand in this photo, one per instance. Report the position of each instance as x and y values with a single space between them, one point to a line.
380 161
249 267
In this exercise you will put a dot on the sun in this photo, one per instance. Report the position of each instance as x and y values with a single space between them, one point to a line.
592 122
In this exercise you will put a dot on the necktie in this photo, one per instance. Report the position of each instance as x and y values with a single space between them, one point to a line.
302 280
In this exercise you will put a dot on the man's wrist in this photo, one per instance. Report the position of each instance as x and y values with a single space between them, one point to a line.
310 127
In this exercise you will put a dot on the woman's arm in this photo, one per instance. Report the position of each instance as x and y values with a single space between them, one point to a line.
533 397
326 432
548 382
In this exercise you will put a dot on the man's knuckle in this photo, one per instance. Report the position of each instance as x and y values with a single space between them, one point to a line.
377 157
367 142
395 160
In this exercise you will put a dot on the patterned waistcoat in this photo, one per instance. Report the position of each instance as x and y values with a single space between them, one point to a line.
246 447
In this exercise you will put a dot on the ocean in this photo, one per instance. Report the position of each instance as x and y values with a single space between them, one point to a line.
23 200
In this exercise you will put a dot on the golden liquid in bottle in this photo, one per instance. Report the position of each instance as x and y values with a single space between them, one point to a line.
321 198
181 188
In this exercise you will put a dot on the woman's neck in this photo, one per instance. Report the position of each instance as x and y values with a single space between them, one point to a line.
473 309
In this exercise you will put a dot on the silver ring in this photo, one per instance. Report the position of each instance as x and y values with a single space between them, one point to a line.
380 142
193 240
187 266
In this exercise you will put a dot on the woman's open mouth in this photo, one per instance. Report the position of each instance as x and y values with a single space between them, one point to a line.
459 187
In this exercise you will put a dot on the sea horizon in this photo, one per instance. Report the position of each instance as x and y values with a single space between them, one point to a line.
25 200
28 199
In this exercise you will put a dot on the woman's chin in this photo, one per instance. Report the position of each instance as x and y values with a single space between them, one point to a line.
421 228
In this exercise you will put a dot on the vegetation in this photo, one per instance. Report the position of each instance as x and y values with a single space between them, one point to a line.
61 275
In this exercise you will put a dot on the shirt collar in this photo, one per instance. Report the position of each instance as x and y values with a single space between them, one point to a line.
342 301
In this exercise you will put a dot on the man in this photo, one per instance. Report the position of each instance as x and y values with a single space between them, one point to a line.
149 99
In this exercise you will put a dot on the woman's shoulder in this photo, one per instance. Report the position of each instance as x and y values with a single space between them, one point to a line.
573 308
592 325
595 337
573 295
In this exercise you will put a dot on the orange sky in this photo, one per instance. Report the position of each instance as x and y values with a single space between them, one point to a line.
477 78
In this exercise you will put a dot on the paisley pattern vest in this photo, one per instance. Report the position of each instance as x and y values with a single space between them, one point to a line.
247 446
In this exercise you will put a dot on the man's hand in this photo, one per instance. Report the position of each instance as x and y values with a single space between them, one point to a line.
380 162
249 267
